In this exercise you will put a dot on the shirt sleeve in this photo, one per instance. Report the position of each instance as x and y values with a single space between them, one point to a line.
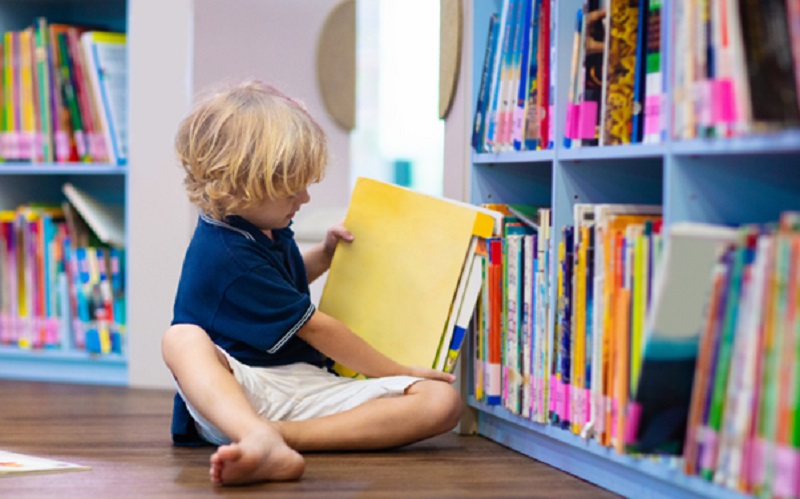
262 309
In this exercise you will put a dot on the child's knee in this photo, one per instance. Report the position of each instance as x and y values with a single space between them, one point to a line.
444 403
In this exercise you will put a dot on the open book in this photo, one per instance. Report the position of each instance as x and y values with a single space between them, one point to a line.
403 283
12 463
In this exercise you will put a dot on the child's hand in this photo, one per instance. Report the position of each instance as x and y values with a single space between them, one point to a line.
428 373
335 234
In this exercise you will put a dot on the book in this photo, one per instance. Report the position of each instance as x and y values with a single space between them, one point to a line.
107 68
447 336
589 113
481 117
106 220
394 285
12 463
681 289
767 52
467 306
622 35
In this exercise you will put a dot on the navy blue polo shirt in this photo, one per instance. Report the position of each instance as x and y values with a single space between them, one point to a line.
249 293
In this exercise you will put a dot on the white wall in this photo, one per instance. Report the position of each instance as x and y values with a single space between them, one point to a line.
159 217
276 41
177 48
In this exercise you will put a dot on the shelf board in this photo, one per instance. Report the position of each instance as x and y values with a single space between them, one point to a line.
61 169
626 475
784 142
630 151
484 158
62 366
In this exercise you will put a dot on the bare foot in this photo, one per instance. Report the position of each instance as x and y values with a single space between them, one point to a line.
258 457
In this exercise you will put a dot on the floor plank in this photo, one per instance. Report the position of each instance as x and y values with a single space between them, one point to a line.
123 434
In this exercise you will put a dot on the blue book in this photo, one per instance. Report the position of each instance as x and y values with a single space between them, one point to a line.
639 79
481 113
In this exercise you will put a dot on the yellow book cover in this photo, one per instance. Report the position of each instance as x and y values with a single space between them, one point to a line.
395 283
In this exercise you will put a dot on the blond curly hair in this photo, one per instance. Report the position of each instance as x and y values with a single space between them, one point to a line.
246 144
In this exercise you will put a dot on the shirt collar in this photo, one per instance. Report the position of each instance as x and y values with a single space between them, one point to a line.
238 224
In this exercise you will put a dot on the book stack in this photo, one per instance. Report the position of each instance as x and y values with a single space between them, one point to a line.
62 277
64 91
409 282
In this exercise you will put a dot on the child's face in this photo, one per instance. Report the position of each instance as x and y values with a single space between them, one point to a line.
275 213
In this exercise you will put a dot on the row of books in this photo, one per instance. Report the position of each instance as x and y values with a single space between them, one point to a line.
743 429
60 287
736 71
616 78
513 309
638 357
64 95
573 379
515 99
739 67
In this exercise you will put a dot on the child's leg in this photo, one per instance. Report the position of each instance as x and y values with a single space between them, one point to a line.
427 409
258 452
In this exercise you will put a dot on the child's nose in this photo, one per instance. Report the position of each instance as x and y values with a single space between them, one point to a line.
303 196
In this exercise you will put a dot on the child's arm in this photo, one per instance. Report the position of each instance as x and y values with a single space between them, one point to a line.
318 259
337 341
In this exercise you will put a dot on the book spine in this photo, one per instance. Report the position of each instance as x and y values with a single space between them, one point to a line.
497 76
654 76
519 111
479 123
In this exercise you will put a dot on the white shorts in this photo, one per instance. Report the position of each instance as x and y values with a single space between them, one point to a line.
299 391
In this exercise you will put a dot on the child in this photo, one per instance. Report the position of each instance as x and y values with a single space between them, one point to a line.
247 348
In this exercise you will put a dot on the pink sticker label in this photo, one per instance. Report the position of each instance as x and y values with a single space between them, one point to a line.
566 414
587 128
578 417
12 145
612 422
725 101
61 141
601 414
786 461
98 147
570 119
632 422
25 145
708 448
758 462
505 383
587 399
652 113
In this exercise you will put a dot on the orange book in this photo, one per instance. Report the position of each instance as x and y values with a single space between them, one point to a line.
701 382
613 246
621 356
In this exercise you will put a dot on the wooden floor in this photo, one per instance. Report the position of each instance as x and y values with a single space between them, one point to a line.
123 434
